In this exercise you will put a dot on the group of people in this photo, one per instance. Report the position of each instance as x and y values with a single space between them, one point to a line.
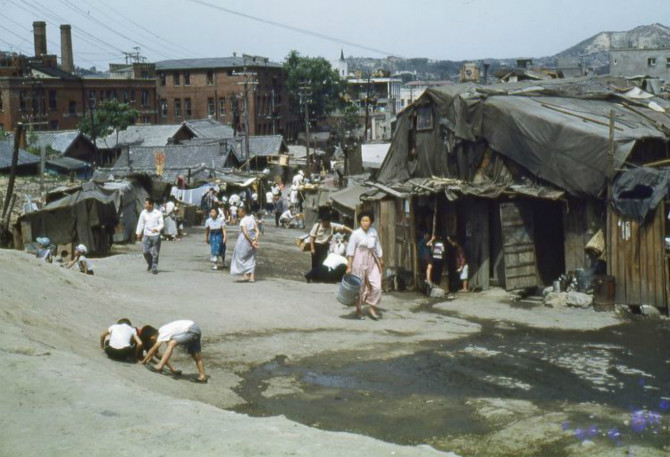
123 342
432 251
46 252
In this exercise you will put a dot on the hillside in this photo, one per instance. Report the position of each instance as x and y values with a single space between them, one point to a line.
593 51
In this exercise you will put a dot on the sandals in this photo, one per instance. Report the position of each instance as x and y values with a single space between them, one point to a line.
199 381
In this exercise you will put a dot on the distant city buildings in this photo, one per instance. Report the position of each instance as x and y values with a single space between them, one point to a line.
36 92
632 55
216 87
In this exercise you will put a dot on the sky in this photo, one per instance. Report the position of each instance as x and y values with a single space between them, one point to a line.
435 29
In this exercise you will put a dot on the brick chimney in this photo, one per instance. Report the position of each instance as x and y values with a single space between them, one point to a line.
40 37
67 59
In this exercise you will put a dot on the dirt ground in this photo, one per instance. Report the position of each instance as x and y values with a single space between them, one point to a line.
62 396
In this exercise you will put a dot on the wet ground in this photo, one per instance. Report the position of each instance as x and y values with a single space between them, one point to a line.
609 387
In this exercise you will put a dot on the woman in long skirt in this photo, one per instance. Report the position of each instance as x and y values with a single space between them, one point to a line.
246 249
170 218
216 237
364 253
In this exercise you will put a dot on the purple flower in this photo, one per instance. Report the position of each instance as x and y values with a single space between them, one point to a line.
614 434
638 422
580 434
664 405
565 425
593 430
654 418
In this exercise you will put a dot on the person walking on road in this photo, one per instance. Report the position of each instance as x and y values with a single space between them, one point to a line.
364 253
216 237
319 241
244 256
148 231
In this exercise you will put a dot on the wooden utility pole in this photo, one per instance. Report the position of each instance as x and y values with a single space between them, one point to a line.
12 172
367 109
249 82
610 177
305 93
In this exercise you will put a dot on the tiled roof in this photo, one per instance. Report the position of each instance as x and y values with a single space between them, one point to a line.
211 63
177 156
6 152
141 135
60 140
210 128
68 163
261 146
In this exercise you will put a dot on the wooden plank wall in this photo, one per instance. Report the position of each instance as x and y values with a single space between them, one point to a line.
574 229
385 222
477 243
638 260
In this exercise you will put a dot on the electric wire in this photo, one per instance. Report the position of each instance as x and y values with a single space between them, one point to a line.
293 28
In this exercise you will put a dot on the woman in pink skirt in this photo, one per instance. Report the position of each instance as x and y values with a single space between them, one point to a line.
364 253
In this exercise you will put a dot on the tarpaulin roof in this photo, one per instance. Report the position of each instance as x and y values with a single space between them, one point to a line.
345 200
556 129
638 191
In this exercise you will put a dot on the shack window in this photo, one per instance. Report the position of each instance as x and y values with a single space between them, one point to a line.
424 118
651 61
667 62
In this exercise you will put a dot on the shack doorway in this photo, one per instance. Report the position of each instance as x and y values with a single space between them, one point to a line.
549 240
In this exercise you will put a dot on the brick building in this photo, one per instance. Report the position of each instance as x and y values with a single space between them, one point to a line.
214 87
37 92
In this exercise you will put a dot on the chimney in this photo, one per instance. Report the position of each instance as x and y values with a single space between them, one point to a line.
67 60
40 36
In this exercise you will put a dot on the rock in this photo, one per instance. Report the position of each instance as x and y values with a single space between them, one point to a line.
650 311
436 292
579 300
556 300
547 291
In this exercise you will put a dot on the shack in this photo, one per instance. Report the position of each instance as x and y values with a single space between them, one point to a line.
517 172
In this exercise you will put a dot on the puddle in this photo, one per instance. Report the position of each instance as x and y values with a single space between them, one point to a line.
435 395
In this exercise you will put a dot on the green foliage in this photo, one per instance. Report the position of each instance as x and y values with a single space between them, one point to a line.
108 116
316 77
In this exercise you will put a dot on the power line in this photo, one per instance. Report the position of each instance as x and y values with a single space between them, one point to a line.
292 28
148 31
116 32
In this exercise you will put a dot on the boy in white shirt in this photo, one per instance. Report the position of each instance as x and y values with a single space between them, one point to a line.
120 342
184 333
148 231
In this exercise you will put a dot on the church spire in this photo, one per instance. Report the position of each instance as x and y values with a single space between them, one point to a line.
341 55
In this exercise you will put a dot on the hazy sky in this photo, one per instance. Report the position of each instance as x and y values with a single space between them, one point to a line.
437 29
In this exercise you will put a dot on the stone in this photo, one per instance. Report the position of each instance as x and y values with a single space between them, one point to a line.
650 311
556 299
547 291
579 300
436 292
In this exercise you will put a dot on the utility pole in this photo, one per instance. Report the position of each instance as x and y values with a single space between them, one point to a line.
249 84
12 173
305 93
367 108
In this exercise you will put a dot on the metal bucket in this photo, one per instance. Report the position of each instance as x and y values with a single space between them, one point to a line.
349 290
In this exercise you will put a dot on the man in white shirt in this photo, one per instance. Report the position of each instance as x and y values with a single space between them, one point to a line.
120 342
185 333
148 231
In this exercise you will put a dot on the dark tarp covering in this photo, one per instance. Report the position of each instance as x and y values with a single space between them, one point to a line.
557 130
638 191
87 216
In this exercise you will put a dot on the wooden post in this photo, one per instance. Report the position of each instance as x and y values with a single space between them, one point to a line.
12 172
610 172
434 214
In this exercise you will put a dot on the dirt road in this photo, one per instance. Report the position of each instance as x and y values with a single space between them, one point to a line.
266 345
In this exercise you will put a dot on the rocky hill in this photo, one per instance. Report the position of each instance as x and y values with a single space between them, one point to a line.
592 51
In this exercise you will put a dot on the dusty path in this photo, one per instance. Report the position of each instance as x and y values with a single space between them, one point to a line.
61 387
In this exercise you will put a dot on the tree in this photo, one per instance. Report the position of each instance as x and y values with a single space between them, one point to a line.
109 116
318 81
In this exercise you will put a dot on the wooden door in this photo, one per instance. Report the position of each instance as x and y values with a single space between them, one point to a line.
518 246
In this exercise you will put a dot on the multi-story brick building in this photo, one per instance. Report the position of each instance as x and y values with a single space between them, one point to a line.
215 87
38 93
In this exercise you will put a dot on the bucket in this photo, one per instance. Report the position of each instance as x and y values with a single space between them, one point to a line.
349 289
557 286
